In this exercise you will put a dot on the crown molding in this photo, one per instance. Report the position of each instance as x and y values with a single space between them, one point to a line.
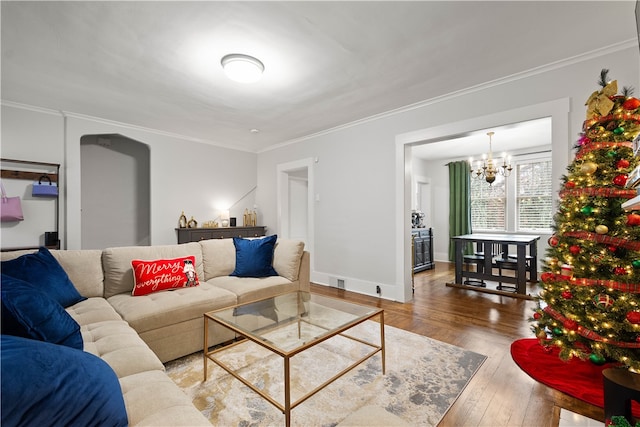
631 43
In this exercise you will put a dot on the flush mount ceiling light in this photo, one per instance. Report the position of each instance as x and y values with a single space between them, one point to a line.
242 68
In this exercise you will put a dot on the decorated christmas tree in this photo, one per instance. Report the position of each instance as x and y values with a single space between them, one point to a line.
589 304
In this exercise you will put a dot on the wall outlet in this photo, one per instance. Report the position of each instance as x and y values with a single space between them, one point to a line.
378 290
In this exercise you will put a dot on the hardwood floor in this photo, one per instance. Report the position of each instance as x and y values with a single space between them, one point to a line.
500 394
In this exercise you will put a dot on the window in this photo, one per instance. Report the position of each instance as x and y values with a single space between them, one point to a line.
488 204
522 202
534 202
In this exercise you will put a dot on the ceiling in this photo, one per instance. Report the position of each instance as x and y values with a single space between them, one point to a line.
157 64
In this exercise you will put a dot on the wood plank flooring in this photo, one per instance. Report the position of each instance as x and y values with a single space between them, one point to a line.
500 394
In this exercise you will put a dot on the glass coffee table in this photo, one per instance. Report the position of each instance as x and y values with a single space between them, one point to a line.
287 325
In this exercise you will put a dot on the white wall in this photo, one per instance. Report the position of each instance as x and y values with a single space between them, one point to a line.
185 175
358 232
34 136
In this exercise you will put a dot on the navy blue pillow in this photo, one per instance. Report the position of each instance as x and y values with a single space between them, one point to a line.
44 271
51 385
254 257
30 313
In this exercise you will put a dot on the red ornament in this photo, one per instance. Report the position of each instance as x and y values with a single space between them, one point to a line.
571 325
547 277
631 104
612 248
620 180
620 271
633 317
633 219
537 315
622 164
553 241
603 301
574 249
570 184
566 294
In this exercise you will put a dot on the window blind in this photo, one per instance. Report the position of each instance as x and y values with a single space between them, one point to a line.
488 204
534 202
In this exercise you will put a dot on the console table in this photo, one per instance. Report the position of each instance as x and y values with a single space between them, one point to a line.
484 243
186 235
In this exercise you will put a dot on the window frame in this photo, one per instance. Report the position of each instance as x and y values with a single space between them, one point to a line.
511 205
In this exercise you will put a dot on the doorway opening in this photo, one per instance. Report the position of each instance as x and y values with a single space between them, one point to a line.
115 192
295 202
406 143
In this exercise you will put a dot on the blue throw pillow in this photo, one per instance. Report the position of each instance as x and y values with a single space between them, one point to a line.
30 313
51 385
254 257
44 271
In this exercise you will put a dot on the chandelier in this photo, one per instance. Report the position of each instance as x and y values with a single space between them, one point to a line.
490 167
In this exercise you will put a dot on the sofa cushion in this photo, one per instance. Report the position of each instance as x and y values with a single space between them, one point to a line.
163 274
48 384
219 257
116 262
287 257
30 313
161 309
254 257
92 310
83 266
120 346
254 288
153 399
34 267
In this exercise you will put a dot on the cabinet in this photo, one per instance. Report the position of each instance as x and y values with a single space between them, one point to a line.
422 249
186 235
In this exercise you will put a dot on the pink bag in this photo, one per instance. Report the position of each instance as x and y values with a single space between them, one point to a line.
10 207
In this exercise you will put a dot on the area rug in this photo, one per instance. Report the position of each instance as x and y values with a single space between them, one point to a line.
577 378
423 379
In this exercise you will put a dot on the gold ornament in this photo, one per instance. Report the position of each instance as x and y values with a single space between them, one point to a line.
588 168
541 335
602 229
599 103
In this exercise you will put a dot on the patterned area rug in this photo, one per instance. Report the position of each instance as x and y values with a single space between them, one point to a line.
423 378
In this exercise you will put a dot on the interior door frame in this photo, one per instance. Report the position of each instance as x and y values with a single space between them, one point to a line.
283 220
557 109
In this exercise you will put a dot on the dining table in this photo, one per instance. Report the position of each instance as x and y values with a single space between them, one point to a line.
525 258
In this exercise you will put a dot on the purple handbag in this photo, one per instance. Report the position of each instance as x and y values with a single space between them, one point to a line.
10 207
45 189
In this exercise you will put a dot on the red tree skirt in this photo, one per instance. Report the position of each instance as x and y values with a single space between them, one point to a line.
577 378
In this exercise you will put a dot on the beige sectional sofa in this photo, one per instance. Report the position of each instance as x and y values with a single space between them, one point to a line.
136 334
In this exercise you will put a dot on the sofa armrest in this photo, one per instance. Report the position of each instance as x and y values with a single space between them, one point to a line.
305 272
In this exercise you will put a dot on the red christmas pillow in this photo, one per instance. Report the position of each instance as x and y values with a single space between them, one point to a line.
163 274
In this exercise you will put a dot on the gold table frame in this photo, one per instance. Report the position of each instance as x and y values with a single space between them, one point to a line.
287 355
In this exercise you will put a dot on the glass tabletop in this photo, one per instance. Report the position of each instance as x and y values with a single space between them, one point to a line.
290 321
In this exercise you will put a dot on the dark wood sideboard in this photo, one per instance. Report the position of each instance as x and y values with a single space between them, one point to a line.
422 249
186 235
